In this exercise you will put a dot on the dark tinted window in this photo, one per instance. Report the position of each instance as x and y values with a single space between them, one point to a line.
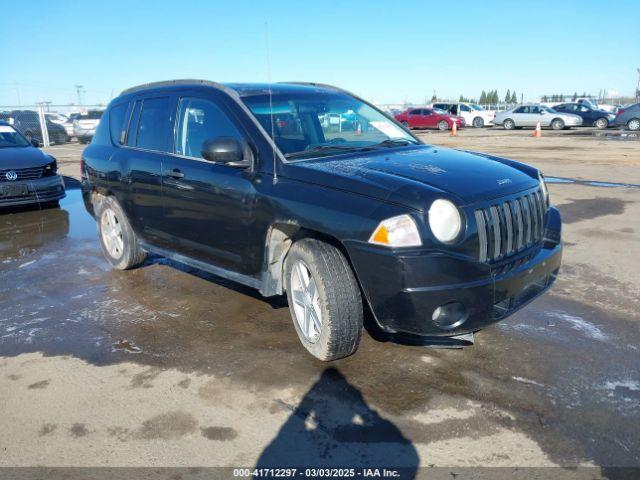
117 123
520 110
153 131
415 112
200 120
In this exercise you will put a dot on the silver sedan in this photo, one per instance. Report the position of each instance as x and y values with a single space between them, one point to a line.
530 115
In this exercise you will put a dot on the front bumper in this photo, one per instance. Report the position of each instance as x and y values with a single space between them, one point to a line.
42 190
404 289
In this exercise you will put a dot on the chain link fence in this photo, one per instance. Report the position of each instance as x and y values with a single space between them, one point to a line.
53 124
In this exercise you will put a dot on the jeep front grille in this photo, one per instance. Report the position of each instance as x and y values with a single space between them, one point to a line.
508 227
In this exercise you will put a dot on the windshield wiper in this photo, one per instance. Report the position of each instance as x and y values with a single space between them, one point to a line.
322 148
394 142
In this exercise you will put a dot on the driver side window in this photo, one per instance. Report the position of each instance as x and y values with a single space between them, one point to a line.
200 120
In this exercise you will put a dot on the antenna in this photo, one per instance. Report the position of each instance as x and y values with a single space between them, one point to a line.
273 127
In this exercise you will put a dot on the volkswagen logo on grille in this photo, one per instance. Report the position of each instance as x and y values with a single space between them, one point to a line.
11 175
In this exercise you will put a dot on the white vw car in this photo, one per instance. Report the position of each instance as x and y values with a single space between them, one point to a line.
472 113
530 115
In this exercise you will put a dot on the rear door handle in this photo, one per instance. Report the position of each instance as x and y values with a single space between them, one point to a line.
175 173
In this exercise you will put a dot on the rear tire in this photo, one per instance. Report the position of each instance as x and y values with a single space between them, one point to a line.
443 125
406 125
601 123
117 238
634 124
478 122
557 124
509 124
324 299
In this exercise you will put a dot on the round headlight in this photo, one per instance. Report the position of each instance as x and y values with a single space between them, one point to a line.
444 220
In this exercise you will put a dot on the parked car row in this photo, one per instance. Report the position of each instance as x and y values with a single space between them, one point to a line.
442 115
60 128
567 115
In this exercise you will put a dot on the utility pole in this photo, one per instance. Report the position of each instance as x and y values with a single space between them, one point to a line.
17 86
79 93
638 86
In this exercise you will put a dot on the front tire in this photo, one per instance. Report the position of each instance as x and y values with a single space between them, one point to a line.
509 124
557 124
601 123
324 299
478 122
443 125
117 238
634 124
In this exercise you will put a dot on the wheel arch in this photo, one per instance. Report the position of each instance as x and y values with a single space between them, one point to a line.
279 240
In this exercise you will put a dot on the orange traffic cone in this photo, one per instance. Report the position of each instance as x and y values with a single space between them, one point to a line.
538 131
454 129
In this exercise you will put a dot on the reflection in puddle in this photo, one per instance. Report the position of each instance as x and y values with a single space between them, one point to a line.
26 231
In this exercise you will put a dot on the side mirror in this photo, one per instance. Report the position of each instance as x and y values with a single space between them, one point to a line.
35 142
226 150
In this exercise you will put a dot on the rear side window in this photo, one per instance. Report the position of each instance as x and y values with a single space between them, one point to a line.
117 124
153 130
200 120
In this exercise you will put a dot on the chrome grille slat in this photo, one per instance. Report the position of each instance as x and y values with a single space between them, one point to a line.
508 227
495 223
482 234
509 224
519 224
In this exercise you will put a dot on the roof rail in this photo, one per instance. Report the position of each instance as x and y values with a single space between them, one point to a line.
316 84
169 83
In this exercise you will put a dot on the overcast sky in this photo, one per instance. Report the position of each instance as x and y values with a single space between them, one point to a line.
384 51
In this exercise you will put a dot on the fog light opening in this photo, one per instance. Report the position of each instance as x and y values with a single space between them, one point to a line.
449 315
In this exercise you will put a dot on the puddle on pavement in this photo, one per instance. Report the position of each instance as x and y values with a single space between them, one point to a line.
590 183
565 371
615 135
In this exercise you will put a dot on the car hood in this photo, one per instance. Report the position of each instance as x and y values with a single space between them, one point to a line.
23 157
414 176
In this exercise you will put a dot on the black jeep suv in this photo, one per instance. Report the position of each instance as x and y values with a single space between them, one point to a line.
309 190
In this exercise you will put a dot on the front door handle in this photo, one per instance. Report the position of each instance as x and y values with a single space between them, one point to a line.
175 173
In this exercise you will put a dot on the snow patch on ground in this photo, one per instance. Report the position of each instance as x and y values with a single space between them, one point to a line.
578 323
528 381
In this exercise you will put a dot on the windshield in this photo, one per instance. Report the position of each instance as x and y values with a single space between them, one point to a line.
311 124
477 107
9 137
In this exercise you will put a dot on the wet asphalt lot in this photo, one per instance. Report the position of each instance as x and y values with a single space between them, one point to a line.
166 365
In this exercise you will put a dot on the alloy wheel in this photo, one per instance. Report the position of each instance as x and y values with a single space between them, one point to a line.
602 123
306 302
111 230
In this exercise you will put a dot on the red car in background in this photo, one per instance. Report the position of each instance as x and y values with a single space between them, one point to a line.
429 118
